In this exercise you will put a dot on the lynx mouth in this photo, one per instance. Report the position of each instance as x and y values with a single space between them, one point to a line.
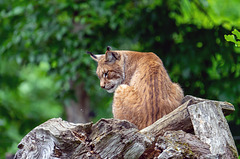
111 89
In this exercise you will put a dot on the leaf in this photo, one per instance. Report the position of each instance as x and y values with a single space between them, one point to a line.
237 33
230 38
237 44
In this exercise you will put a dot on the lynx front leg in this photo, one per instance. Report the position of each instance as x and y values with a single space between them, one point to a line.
127 105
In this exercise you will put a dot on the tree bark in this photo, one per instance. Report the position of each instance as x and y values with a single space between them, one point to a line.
197 129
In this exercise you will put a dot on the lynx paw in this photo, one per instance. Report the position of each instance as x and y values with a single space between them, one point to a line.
123 90
125 93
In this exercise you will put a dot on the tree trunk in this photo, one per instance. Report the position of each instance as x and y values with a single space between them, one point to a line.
200 131
78 110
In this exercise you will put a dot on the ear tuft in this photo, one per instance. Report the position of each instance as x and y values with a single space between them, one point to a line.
91 54
109 48
94 57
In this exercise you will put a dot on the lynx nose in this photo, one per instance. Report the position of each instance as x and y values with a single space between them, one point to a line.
102 84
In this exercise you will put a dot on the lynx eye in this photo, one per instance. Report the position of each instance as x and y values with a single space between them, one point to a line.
105 74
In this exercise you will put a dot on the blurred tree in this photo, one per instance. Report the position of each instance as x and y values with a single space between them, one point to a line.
187 35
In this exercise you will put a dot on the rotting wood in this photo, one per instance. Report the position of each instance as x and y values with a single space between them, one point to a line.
227 107
179 119
177 144
168 137
211 127
108 138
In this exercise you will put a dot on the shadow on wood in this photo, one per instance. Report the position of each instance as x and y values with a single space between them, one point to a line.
196 129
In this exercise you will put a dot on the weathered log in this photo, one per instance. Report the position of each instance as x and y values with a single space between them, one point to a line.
108 138
179 119
227 107
174 143
177 144
211 127
168 137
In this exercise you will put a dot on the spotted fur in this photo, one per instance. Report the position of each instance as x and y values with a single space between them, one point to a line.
143 90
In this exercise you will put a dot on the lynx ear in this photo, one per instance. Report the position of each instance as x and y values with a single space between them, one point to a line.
94 57
112 56
109 48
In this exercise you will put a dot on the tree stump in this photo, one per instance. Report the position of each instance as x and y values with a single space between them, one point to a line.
196 129
211 127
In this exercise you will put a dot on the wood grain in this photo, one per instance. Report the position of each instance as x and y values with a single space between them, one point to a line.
211 127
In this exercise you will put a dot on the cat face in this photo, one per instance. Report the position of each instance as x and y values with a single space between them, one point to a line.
109 70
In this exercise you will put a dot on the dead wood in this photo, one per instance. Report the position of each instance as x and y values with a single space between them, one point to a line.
196 129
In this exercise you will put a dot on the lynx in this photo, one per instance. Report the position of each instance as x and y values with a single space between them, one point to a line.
143 91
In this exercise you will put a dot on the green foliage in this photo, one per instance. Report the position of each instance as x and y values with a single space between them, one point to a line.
187 35
232 38
26 94
207 13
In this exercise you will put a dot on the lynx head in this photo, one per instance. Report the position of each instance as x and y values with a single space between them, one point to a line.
110 69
